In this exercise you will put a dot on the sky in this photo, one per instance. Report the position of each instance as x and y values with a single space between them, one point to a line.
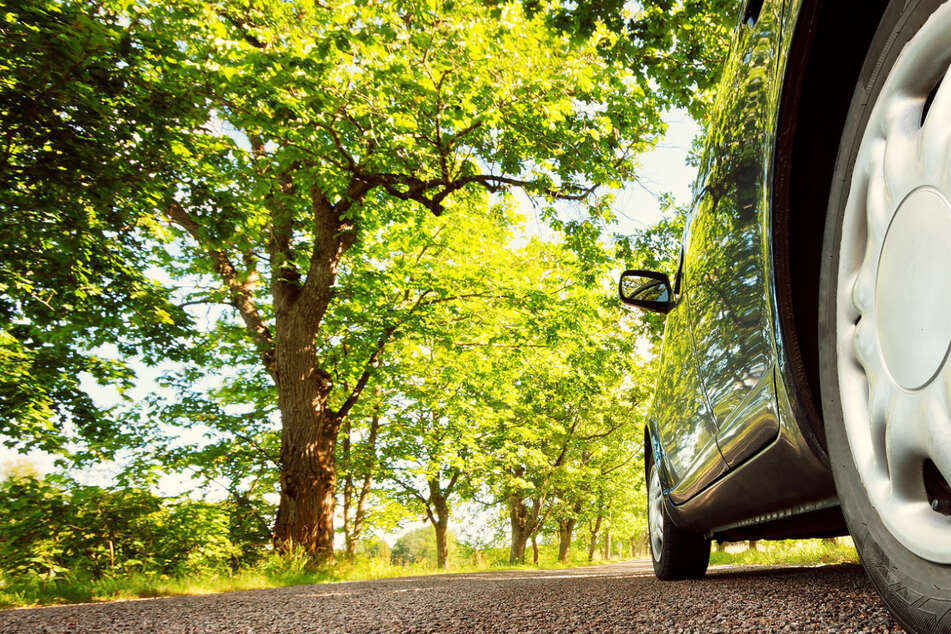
663 170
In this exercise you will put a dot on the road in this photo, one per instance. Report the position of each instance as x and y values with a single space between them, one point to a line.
622 597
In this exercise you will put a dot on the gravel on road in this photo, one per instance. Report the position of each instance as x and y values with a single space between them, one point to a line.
622 597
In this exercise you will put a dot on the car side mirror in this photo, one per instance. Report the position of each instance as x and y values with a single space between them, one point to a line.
648 290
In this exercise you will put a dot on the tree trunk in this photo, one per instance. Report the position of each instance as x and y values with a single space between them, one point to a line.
353 519
305 514
565 529
535 549
442 546
606 545
350 540
350 532
593 543
521 530
441 526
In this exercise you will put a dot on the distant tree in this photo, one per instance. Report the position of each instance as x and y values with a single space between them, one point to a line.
419 547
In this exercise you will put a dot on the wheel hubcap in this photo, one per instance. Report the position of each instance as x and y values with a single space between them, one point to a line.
893 308
913 292
655 514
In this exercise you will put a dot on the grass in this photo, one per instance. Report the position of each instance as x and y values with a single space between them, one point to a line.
276 571
273 572
791 552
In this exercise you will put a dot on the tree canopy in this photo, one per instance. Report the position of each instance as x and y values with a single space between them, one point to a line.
310 215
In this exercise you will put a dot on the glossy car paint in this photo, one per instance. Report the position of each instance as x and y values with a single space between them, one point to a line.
724 271
727 423
682 422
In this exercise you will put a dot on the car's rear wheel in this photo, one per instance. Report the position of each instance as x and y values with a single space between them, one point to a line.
886 315
677 554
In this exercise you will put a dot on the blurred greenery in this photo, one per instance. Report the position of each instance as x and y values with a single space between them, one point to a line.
53 526
802 552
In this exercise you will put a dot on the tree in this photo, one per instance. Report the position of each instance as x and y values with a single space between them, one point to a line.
419 547
358 463
563 391
441 381
433 443
333 155
84 123
259 157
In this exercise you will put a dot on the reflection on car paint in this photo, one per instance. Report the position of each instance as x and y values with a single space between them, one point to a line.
728 294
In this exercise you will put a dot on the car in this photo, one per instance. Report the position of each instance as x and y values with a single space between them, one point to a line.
804 386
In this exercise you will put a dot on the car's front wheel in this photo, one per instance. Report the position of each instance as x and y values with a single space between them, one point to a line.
676 553
886 298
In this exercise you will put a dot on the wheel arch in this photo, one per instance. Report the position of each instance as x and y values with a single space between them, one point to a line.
825 59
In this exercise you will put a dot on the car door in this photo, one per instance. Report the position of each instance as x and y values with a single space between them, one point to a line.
684 429
726 262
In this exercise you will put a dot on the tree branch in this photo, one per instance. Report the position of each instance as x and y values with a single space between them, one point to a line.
240 292
604 434
452 481
365 375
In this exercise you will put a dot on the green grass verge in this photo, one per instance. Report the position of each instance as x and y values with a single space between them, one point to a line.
273 572
790 552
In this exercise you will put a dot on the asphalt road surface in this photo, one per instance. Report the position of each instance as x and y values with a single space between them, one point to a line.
621 597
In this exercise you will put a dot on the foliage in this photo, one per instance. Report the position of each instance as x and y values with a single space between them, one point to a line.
305 131
84 120
51 526
300 205
674 47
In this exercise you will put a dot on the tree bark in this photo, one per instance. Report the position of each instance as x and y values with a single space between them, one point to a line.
593 531
353 522
441 526
535 548
519 517
308 436
565 528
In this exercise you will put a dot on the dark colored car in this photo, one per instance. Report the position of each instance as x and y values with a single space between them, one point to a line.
805 389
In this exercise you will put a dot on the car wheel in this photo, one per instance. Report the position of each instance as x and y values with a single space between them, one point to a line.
677 554
886 315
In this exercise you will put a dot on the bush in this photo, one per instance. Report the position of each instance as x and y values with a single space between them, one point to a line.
50 527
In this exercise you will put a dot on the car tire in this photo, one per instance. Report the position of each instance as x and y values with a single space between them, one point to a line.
677 554
886 238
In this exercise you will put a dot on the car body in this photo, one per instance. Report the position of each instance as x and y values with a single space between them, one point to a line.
738 429
738 455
